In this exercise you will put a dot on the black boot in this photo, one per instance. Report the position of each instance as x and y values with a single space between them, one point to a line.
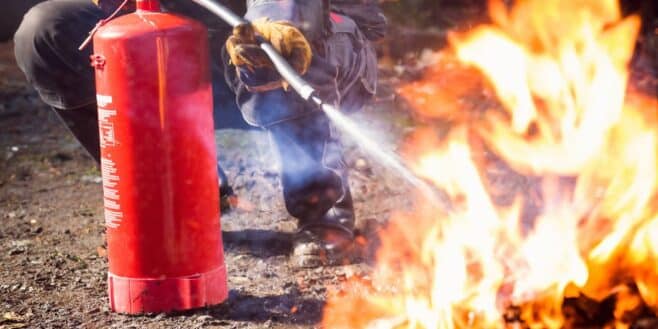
227 198
327 240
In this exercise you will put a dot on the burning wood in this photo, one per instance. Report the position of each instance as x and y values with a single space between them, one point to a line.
554 116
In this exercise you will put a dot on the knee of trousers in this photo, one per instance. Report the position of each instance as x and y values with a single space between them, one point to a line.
312 178
35 33
30 34
45 47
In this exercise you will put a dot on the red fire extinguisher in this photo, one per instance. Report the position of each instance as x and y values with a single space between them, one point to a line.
158 162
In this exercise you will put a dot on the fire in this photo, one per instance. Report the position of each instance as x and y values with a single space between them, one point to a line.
551 173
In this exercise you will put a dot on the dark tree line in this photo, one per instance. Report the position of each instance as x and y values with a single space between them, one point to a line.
448 13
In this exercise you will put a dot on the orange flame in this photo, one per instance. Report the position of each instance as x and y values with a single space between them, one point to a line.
552 174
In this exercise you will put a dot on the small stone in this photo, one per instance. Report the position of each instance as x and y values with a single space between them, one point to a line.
101 252
16 251
204 318
91 179
361 164
94 310
12 317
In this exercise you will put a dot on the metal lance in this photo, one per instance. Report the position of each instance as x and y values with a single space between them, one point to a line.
341 121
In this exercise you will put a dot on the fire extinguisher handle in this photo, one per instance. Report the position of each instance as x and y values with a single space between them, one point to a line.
303 88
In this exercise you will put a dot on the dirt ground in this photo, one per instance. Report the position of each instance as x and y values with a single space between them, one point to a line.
52 255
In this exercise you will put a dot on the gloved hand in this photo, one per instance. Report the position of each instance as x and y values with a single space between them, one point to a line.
109 6
253 64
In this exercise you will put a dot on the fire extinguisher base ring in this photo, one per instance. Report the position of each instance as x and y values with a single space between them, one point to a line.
157 295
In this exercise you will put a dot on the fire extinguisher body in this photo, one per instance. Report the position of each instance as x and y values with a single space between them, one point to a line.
158 163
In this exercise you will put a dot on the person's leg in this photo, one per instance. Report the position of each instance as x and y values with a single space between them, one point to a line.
315 189
312 170
83 124
313 175
46 49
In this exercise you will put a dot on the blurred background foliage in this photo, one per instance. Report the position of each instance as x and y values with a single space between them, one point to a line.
433 13
448 13
418 24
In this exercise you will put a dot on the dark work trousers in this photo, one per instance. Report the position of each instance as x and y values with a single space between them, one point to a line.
46 50
343 71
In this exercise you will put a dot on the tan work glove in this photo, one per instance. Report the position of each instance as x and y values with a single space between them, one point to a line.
289 41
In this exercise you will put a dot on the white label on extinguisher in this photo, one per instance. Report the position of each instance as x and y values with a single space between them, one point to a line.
113 213
103 100
106 127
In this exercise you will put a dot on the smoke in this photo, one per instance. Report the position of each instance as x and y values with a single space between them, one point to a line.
384 155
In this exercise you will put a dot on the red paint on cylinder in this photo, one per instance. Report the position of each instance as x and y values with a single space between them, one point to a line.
159 168
150 5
